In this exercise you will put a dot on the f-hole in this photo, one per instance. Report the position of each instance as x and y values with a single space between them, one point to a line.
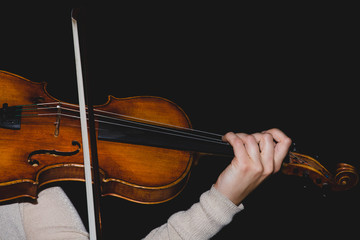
35 163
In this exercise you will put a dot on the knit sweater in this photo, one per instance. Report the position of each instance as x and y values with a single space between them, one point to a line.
54 217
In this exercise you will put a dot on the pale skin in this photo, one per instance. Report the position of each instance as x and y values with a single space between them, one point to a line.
257 156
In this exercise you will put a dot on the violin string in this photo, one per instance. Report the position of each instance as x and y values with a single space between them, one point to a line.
169 130
58 105
177 133
148 123
160 128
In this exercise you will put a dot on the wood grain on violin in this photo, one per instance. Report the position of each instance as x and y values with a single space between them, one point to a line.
46 146
146 146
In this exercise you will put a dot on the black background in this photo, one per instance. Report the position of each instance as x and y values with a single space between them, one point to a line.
231 68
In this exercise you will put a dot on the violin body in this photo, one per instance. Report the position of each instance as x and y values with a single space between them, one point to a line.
44 146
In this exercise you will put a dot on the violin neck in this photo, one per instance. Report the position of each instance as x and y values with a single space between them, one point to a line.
171 138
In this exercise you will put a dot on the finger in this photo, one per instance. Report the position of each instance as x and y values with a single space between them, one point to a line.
281 147
277 134
267 148
251 145
259 140
236 143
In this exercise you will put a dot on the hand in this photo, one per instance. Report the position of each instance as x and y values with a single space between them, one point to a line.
256 157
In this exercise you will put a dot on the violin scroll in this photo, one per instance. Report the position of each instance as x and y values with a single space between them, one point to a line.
345 178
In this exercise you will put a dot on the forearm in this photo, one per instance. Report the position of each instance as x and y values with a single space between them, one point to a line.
202 221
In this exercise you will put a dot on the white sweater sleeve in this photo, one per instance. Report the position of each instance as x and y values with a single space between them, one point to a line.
52 217
202 221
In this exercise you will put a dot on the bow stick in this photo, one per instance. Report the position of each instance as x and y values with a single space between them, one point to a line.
92 194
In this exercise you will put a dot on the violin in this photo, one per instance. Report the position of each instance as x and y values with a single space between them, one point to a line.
146 146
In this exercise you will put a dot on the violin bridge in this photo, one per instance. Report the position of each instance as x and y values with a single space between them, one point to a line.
57 122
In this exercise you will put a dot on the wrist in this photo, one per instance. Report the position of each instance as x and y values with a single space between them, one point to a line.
228 193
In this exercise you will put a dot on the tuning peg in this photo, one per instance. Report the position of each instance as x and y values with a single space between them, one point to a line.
325 189
306 177
293 147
